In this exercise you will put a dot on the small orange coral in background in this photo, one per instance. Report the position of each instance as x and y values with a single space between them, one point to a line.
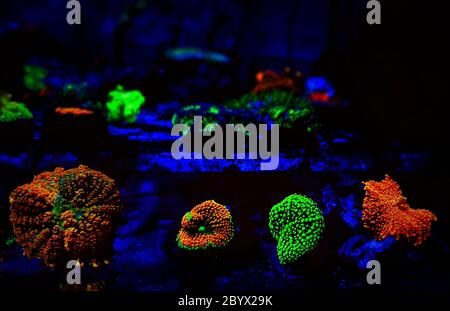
73 111
207 225
65 214
385 212
269 80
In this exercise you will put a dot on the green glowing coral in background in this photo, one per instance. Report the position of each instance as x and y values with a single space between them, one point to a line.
274 106
281 107
13 111
297 224
34 78
124 105
211 114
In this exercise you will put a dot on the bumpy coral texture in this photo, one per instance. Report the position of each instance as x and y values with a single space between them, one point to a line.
297 224
207 225
385 213
65 214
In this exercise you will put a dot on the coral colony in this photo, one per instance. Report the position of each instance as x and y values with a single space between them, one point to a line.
272 106
207 225
116 134
65 214
277 106
13 111
386 213
297 224
124 106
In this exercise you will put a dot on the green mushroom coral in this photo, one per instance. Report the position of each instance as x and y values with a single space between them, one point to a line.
124 105
297 224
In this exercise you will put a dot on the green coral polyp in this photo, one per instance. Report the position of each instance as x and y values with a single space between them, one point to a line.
61 205
297 224
188 216
124 105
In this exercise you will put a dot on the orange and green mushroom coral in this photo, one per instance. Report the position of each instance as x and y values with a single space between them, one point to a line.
207 225
66 215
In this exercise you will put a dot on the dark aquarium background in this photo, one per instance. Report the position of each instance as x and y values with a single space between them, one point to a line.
354 101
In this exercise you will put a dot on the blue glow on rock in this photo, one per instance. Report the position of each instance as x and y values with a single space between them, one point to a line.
361 248
319 84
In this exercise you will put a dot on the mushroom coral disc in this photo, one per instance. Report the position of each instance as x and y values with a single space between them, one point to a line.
65 214
297 224
385 213
207 225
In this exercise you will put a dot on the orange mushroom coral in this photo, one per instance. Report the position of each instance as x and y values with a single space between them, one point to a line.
385 213
208 224
65 214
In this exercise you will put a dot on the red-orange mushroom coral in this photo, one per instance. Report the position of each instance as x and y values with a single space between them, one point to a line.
385 213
